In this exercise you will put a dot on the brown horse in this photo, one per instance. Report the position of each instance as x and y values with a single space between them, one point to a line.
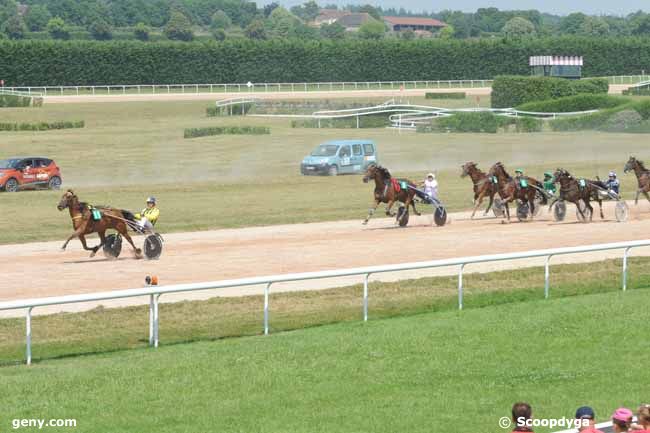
385 191
509 191
573 190
83 222
483 185
642 177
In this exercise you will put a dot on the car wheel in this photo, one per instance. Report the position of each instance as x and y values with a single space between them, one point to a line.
333 171
54 183
11 185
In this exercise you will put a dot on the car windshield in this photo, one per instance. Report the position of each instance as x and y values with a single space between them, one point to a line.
325 150
8 163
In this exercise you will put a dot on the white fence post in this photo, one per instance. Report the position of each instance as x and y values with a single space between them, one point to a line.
625 254
156 320
266 308
365 297
547 272
28 336
460 286
151 320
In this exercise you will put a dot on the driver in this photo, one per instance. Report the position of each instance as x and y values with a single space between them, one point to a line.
149 215
613 184
431 186
549 185
519 178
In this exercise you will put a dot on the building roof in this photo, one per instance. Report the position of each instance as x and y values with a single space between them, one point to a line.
354 19
331 13
414 21
555 61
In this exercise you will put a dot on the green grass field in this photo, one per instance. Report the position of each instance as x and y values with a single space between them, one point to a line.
444 371
129 151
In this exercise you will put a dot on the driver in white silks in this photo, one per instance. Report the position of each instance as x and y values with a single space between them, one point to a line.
431 186
149 215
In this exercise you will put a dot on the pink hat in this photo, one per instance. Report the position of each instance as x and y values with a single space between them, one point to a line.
622 414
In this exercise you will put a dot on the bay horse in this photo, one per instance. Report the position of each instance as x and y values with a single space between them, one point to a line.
83 222
572 191
483 185
642 177
385 191
509 191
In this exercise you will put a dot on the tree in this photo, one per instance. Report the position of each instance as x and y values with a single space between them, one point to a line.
8 8
220 20
178 27
100 30
447 32
594 26
219 34
572 23
269 8
141 32
372 29
641 24
256 30
57 28
518 27
14 27
332 31
308 11
372 11
282 23
37 17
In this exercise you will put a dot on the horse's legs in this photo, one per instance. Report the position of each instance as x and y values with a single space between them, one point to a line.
600 205
413 206
591 210
102 241
645 193
138 251
371 212
636 198
389 206
489 204
531 203
477 203
77 234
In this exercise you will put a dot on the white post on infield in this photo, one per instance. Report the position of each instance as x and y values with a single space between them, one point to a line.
267 288
365 297
151 319
28 336
460 286
625 255
156 322
547 272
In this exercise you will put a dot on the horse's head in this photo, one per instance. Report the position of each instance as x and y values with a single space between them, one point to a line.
630 165
497 170
370 173
467 168
67 199
559 174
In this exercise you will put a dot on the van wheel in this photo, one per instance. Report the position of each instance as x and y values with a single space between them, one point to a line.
11 185
54 183
333 171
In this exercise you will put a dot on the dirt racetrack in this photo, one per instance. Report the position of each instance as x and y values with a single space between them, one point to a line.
41 269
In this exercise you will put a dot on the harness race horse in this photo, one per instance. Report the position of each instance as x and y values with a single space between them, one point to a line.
642 177
573 190
84 222
483 185
385 191
509 191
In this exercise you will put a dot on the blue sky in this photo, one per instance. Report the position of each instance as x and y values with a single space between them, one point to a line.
619 7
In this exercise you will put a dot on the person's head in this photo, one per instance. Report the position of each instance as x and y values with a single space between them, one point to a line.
431 176
622 419
519 172
612 175
643 416
548 175
521 410
151 201
585 413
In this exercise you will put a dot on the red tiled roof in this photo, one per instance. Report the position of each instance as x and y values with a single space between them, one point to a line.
414 21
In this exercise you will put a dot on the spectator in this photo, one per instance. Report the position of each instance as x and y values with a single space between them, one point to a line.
643 419
622 420
521 412
587 413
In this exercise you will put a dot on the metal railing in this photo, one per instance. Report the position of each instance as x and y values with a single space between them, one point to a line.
155 292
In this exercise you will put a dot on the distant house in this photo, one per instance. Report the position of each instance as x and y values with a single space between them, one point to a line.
399 24
328 16
353 20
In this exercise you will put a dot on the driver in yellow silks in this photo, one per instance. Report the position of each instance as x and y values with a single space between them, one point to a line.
149 215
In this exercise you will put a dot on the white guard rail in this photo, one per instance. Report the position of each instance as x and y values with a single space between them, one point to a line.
154 292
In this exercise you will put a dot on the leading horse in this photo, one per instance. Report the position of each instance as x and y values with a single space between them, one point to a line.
84 222
642 177
483 185
385 191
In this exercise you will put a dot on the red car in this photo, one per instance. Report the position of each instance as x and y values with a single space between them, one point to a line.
29 173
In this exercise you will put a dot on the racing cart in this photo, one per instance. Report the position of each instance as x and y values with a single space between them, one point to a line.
523 210
439 211
621 211
152 246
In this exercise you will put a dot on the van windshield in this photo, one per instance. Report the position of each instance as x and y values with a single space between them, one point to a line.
325 150
9 163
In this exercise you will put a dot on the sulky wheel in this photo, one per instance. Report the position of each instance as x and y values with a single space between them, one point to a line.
621 211
402 216
440 216
522 211
153 246
113 246
497 208
559 210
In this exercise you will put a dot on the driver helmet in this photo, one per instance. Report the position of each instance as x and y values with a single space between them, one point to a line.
151 200
431 175
519 170
548 174
612 174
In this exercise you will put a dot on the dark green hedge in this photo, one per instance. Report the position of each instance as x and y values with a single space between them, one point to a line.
367 121
39 62
41 126
222 130
569 104
605 120
231 110
444 95
512 91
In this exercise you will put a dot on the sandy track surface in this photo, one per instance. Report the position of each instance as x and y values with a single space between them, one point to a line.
471 91
41 269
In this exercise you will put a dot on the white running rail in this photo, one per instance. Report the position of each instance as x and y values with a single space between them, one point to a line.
154 292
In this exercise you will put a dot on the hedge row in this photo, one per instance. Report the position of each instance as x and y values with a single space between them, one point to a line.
231 110
512 91
569 104
369 121
41 126
444 95
19 101
224 130
482 122
618 119
51 63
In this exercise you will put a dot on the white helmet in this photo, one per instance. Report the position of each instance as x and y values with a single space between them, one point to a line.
431 175
612 174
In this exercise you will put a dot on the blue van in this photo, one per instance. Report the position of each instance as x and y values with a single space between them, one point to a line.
340 157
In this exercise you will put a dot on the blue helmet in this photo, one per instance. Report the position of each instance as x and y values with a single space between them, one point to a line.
151 200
